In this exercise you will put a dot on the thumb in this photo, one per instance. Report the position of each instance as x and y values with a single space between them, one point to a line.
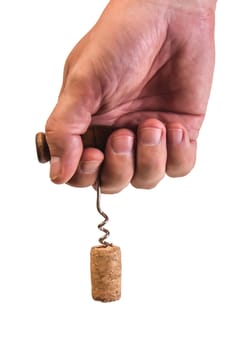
69 119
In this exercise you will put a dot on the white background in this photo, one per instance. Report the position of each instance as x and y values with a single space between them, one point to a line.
179 241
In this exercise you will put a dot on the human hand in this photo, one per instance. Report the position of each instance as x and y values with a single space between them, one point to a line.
145 68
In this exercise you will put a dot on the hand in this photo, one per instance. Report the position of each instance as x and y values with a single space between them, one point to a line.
145 68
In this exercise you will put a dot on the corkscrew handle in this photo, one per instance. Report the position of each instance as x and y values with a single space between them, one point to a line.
96 136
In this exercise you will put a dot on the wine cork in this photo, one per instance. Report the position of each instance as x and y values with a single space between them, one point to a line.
106 273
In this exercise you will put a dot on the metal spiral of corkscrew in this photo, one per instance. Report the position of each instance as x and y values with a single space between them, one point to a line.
101 227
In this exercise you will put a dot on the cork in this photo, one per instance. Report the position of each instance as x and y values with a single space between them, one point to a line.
106 273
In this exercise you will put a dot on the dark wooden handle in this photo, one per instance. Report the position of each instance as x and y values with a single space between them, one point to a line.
96 136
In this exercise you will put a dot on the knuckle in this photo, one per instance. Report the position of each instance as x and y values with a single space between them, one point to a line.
173 171
144 185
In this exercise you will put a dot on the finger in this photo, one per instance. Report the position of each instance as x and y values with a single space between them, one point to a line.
88 168
151 154
79 99
63 129
181 151
118 167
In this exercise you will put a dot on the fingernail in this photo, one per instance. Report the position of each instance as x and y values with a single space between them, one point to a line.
55 167
122 144
89 167
150 136
175 136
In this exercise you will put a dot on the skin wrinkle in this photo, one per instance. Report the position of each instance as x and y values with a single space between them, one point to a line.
131 63
141 60
131 104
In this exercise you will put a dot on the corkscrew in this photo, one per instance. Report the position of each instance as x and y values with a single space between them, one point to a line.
105 259
95 136
101 227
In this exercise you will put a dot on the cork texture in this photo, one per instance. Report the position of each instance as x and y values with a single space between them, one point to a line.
106 273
